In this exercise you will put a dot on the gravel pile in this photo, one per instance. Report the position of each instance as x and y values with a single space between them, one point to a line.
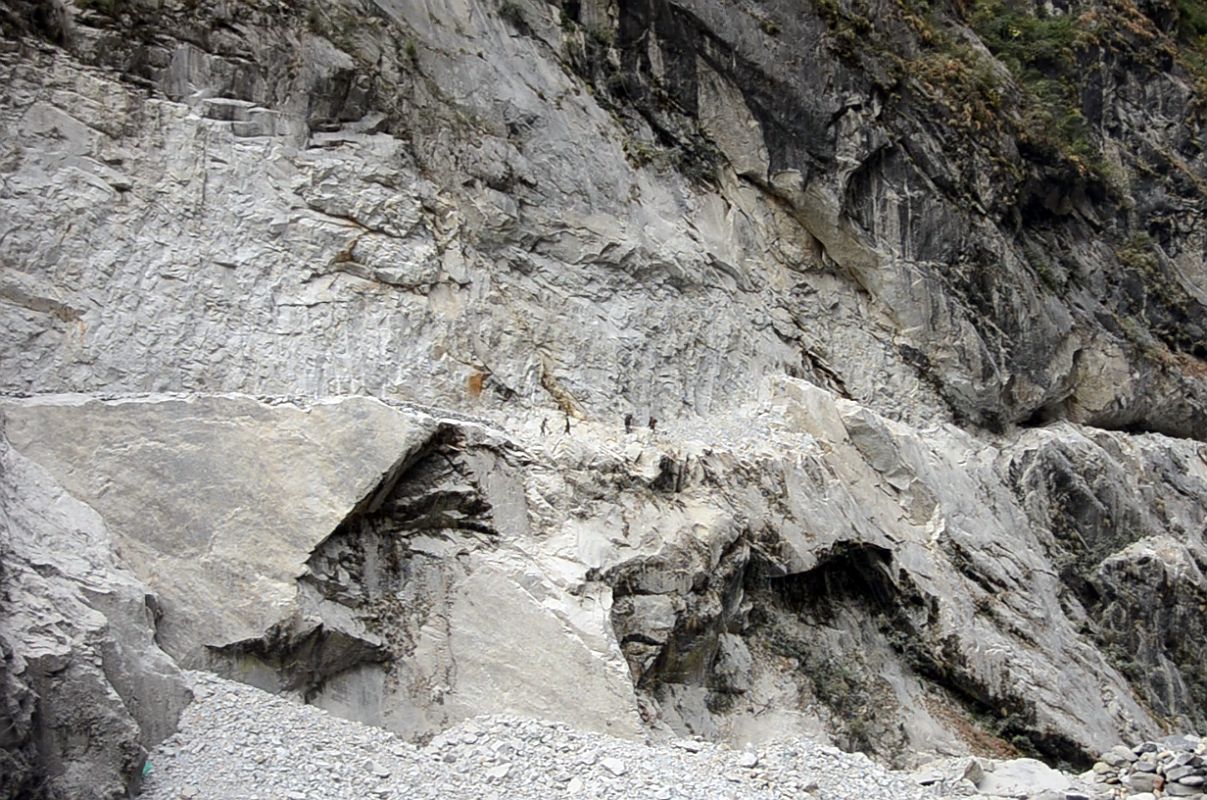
238 742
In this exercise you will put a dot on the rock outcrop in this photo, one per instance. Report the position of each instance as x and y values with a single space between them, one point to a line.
328 319
85 690
368 558
838 573
341 172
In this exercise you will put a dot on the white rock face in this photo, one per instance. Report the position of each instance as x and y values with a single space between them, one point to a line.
272 261
216 503
233 585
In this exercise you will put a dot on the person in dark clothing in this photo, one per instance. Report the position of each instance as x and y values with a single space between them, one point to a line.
567 423
544 426
653 423
628 423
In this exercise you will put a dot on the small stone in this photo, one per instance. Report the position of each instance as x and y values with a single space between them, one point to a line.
614 766
1192 780
498 773
1142 796
1180 790
748 760
1183 744
1119 756
689 745
1143 781
1175 773
295 795
575 786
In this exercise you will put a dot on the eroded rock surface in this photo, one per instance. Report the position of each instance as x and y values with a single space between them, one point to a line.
216 503
369 558
651 208
839 575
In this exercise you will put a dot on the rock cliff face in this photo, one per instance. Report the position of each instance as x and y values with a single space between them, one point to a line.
84 688
327 317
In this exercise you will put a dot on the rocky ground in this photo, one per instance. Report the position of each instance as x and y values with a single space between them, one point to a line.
238 742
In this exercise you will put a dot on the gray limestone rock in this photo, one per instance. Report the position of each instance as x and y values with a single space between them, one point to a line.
383 580
1144 781
373 586
85 690
663 244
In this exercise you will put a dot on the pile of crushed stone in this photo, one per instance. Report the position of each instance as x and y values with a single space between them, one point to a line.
237 742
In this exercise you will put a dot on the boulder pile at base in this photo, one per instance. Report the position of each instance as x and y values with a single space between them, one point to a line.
1172 767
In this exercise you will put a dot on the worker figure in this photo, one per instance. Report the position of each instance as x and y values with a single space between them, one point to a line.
653 423
628 423
567 423
544 426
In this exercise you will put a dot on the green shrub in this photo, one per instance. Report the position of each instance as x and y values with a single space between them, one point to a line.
1192 19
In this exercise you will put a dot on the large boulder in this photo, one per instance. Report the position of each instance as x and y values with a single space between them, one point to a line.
365 557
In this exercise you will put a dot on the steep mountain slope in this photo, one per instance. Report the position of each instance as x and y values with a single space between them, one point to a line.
907 302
